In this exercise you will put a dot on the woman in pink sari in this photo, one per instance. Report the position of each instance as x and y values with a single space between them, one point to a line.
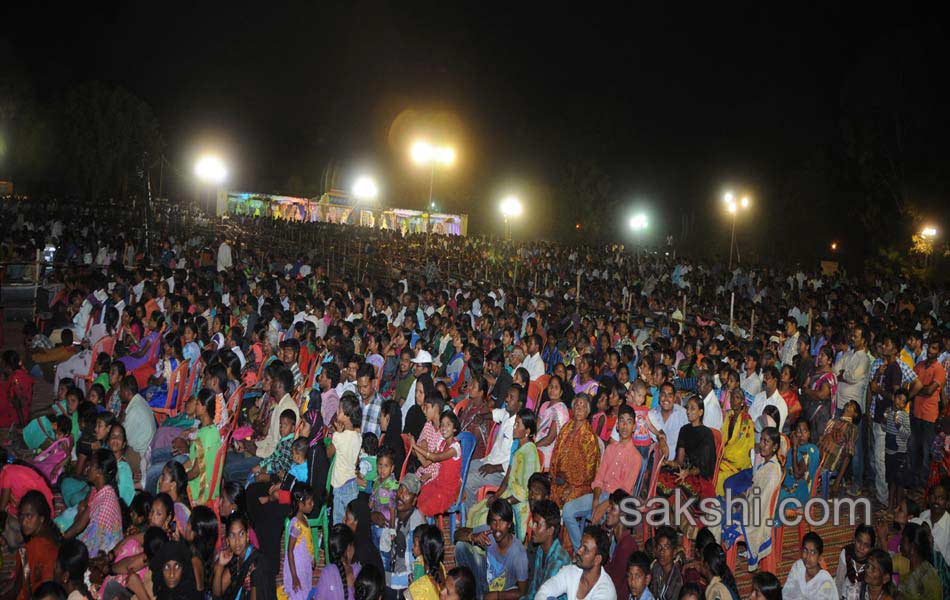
819 392
553 415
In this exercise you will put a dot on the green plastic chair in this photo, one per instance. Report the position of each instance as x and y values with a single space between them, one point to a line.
322 521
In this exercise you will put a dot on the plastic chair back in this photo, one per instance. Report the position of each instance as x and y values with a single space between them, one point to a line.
219 468
717 436
407 444
173 394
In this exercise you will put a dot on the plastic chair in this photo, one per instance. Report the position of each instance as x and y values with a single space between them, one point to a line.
234 402
768 563
104 344
717 436
194 376
534 395
218 471
407 444
467 441
651 489
175 394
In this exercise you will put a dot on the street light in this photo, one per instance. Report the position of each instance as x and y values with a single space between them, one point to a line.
639 224
424 153
364 188
510 207
733 207
211 169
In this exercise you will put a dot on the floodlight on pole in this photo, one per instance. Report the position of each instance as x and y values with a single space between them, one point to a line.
424 153
364 188
639 222
211 169
929 232
510 207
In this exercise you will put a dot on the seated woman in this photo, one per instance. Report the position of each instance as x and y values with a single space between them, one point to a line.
741 481
203 452
157 392
174 482
514 487
51 461
921 581
432 547
788 389
576 455
553 415
690 473
738 436
608 400
807 580
240 571
42 542
343 571
439 493
98 522
853 562
801 466
141 362
765 481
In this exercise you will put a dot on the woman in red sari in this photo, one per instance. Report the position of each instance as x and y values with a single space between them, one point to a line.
789 393
576 455
16 390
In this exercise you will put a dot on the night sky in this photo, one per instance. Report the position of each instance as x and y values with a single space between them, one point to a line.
673 104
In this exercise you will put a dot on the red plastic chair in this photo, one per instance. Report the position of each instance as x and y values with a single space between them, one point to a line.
407 443
534 395
104 344
651 488
176 394
196 371
219 468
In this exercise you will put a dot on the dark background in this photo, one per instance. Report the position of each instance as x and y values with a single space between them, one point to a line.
832 117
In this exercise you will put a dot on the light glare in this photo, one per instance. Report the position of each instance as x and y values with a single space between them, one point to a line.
211 169
638 222
745 202
511 206
365 188
929 232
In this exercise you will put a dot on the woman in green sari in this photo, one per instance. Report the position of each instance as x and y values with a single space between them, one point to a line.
514 487
203 452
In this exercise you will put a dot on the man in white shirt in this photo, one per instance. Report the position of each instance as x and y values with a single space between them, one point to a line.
769 396
668 418
790 347
224 256
712 412
491 469
852 369
586 578
533 362
138 420
237 465
750 379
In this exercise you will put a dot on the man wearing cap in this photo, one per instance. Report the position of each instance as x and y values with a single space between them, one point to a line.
397 550
421 364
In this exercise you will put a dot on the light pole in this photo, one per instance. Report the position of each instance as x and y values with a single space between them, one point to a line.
211 170
639 224
424 153
510 207
733 207
929 232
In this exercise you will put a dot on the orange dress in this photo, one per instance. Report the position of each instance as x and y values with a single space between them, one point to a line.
574 462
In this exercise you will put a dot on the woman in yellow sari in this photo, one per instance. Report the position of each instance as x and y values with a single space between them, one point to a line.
576 455
738 433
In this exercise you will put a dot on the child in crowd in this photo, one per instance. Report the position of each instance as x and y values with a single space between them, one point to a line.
101 369
896 434
300 558
539 488
157 392
38 433
418 566
366 472
281 460
97 396
51 461
639 576
837 446
345 447
383 499
116 375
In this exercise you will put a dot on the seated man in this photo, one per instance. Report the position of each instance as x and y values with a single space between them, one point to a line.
586 578
495 556
548 555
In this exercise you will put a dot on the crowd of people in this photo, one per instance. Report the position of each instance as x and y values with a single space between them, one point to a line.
234 408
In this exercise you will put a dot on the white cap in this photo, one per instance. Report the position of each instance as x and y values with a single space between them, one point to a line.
423 358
